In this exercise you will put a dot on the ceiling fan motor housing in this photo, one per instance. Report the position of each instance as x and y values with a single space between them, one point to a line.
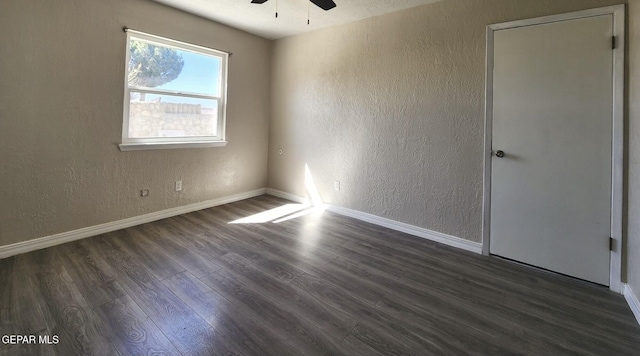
323 4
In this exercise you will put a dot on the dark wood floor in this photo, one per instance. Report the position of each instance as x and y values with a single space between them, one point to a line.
311 285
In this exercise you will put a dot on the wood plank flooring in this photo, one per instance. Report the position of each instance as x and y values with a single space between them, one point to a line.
309 283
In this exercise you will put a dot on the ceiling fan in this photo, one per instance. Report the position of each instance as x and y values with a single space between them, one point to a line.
323 4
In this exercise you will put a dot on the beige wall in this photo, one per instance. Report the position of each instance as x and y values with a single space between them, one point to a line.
393 107
390 106
633 217
61 93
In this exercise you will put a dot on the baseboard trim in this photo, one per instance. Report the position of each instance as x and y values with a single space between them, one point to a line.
632 300
445 239
288 196
57 239
409 229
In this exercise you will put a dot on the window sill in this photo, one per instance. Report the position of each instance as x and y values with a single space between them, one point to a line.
169 145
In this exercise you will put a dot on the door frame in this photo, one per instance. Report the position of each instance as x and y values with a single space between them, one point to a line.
618 12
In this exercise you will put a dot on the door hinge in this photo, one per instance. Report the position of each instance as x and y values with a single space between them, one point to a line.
611 242
613 42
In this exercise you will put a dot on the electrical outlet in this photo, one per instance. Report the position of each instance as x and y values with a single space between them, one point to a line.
144 192
336 185
178 185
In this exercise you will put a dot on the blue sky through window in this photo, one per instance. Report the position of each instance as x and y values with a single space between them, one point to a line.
200 74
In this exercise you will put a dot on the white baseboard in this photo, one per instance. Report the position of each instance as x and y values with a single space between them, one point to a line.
632 300
57 239
391 224
409 229
288 196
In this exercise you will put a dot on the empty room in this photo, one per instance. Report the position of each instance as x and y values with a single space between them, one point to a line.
319 177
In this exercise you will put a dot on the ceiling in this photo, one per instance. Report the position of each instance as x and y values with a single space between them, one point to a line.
292 14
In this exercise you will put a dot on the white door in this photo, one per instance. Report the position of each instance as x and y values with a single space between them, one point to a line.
552 118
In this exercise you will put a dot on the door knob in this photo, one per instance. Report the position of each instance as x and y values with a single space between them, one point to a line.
499 153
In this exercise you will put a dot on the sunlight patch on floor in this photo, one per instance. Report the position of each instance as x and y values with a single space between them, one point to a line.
301 213
271 215
313 205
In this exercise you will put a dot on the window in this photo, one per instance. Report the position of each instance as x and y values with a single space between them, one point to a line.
175 94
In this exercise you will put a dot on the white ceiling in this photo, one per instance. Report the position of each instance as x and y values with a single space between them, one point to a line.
292 14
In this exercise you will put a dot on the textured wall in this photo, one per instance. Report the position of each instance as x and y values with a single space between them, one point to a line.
61 93
633 217
393 107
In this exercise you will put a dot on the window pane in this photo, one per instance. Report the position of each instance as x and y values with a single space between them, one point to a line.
153 65
152 115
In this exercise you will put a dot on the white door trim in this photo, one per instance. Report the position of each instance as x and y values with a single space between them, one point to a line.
618 12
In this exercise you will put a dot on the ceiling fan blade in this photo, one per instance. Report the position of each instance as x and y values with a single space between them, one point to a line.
324 4
258 1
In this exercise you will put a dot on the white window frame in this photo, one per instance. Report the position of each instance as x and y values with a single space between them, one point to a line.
134 144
